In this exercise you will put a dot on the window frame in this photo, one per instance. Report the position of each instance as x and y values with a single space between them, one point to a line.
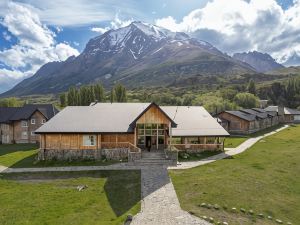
33 121
43 121
24 136
92 141
24 123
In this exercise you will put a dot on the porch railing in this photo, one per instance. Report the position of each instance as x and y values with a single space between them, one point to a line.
182 147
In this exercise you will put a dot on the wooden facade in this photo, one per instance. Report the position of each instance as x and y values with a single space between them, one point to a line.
22 131
152 130
237 125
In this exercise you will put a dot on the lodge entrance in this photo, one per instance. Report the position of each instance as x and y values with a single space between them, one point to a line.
151 136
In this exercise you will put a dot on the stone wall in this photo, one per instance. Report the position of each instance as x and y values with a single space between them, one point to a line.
115 154
86 154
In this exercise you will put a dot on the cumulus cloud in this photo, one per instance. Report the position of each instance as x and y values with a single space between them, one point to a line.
114 24
244 26
36 45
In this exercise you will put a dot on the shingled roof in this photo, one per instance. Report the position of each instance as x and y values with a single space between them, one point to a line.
8 114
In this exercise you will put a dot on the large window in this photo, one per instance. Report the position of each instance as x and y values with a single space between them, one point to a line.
151 129
89 140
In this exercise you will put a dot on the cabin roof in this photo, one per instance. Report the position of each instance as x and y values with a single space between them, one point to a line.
119 118
287 111
8 114
242 115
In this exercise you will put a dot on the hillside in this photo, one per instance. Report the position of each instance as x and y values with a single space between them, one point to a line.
139 55
292 70
261 62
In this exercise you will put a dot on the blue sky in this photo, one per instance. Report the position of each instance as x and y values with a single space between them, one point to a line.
34 32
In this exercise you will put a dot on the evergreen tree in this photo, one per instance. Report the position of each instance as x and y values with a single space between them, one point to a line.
72 96
252 87
63 100
91 94
99 93
112 95
120 93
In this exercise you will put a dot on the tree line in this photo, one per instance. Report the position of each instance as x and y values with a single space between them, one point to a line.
87 94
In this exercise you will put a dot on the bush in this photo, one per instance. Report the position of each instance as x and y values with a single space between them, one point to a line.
246 100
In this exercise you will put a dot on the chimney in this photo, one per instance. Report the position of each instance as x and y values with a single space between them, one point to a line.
280 110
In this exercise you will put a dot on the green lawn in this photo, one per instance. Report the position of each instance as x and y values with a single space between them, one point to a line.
24 155
52 198
185 157
232 142
265 179
235 141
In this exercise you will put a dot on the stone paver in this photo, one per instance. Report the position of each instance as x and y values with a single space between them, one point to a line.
160 205
230 152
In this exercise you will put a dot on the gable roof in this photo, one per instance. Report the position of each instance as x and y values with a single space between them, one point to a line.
148 107
261 115
287 111
119 118
193 121
242 115
101 117
8 114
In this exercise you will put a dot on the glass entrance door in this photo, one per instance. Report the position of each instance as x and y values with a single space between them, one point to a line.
153 133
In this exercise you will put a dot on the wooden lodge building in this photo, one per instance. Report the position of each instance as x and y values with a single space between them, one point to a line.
247 121
288 115
18 124
123 130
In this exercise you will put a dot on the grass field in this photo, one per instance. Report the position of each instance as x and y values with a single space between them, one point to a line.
232 142
24 155
48 198
265 179
184 157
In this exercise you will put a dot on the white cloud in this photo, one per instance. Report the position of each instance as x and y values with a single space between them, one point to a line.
244 26
36 44
114 24
100 29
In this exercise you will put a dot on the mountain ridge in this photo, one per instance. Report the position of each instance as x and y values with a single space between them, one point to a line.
139 54
262 62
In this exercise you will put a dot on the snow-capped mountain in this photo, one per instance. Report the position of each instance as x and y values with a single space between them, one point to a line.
139 54
262 62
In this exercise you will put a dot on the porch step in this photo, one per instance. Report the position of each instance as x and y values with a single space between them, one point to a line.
153 162
154 155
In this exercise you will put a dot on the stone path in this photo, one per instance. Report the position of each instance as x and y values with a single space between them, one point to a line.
160 205
230 152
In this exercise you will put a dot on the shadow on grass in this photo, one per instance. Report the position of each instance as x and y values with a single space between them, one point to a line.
11 148
122 188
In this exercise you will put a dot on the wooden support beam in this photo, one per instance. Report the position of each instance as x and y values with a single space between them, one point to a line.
135 136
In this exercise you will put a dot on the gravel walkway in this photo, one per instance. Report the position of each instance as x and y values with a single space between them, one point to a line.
160 205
